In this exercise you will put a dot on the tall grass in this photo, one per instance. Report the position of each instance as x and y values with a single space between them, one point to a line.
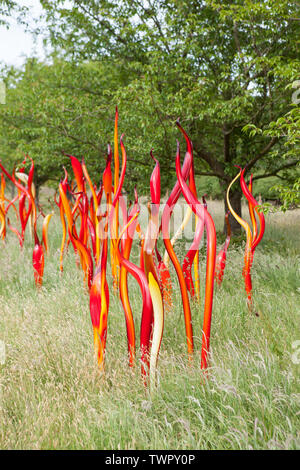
52 395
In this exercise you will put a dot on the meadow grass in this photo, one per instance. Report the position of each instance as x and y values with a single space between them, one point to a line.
53 397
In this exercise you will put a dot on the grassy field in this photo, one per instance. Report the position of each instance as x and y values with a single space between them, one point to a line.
53 397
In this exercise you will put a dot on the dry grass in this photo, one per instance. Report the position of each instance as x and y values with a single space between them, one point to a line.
53 397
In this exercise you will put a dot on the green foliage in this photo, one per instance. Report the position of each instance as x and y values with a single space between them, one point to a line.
286 127
264 188
9 7
224 69
209 185
289 195
5 8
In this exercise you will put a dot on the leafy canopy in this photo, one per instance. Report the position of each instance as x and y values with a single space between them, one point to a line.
223 67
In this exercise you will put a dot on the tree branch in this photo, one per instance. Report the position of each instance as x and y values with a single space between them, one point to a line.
213 163
265 150
103 23
274 173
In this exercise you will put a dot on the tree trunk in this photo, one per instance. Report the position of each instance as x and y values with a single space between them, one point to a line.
38 182
37 193
235 198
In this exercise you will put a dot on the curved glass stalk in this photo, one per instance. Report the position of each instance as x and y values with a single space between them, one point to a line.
252 202
114 259
45 232
166 217
85 257
187 216
248 251
38 263
251 212
99 293
202 214
64 184
158 312
157 322
192 257
3 223
99 307
126 244
38 252
165 281
221 258
94 219
147 311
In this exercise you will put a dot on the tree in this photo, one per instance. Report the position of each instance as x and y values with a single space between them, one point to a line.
218 65
62 106
223 68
